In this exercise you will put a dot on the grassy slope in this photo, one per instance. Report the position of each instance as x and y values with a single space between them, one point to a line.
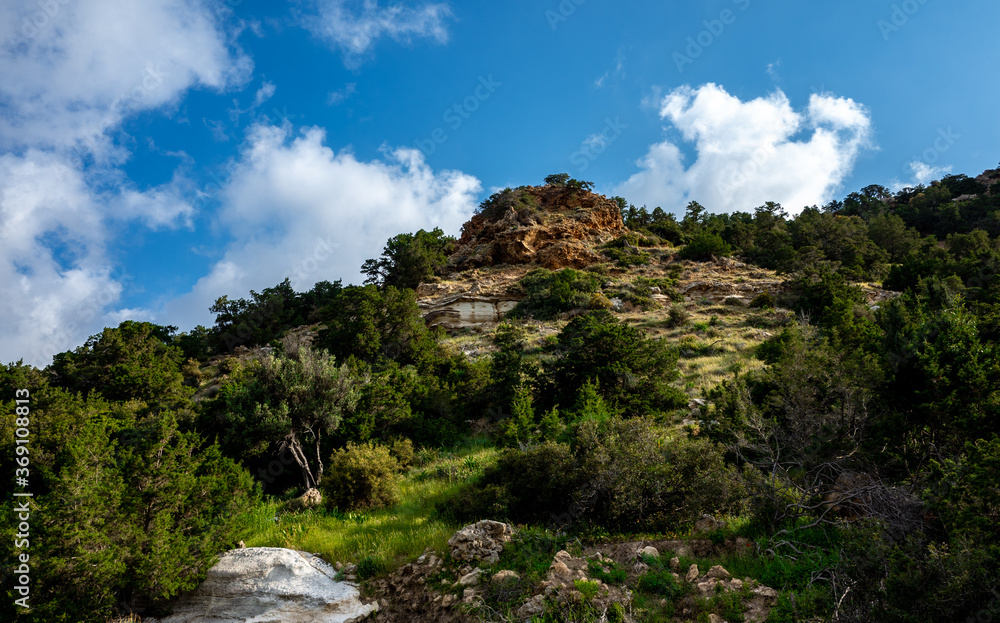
390 536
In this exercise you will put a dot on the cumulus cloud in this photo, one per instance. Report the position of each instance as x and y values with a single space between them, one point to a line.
54 274
296 208
72 72
923 174
354 29
75 76
747 153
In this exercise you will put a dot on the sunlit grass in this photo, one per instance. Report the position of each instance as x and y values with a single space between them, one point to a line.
390 536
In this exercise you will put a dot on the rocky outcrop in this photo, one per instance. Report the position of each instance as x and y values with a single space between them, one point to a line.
270 584
560 233
480 542
464 311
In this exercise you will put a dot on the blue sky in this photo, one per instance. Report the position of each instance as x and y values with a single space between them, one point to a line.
155 156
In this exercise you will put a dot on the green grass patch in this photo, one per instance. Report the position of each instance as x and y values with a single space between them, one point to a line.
383 538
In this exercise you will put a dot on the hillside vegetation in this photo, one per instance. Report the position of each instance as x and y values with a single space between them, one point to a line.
826 386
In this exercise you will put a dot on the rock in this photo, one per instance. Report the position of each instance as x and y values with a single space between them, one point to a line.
482 541
471 578
718 572
708 524
468 595
312 497
572 225
692 573
766 592
649 550
270 584
463 311
560 570
708 586
532 607
675 563
505 574
714 618
640 568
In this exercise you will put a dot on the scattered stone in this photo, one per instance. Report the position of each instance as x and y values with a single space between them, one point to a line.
471 578
649 550
312 497
532 607
675 563
708 523
504 575
714 618
718 572
480 541
692 573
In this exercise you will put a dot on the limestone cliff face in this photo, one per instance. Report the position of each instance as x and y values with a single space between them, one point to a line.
560 233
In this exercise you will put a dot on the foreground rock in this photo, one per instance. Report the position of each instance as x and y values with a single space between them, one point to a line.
482 541
269 584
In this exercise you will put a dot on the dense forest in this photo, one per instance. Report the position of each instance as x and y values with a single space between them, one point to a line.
861 457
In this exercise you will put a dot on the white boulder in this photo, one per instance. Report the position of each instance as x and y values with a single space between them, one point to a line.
270 585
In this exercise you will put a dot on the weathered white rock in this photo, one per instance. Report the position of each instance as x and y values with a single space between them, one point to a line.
270 585
461 311
649 550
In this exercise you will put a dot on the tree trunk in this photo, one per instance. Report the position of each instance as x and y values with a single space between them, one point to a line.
319 462
293 444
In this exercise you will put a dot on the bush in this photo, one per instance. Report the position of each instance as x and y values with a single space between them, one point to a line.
704 247
764 300
548 294
634 372
402 451
677 317
361 476
621 474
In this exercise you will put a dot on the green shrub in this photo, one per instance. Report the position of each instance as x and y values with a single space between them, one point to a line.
704 247
499 203
764 300
548 294
677 317
660 583
360 476
623 475
402 450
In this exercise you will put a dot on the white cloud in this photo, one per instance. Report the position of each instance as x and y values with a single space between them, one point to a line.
355 30
747 153
54 274
91 64
338 96
923 174
297 209
72 72
618 71
264 93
